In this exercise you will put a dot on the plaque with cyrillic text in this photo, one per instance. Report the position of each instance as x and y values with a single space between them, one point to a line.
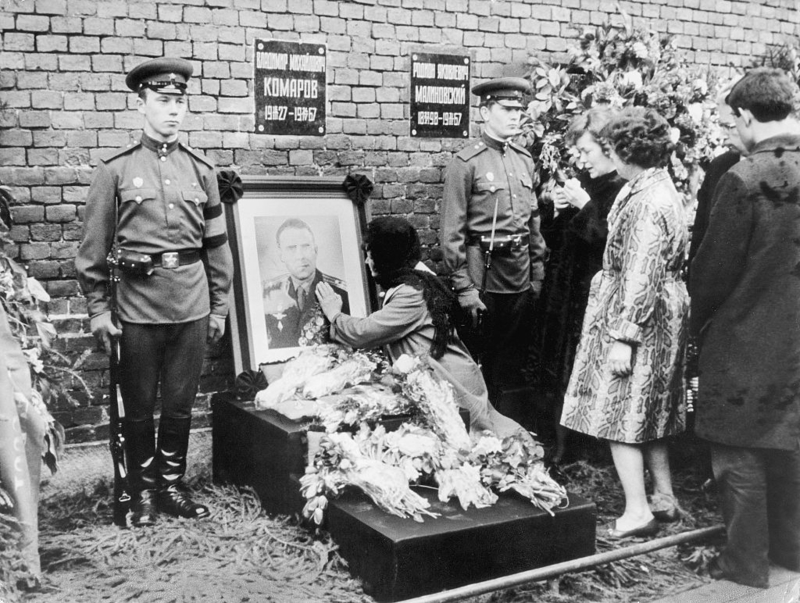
440 95
290 88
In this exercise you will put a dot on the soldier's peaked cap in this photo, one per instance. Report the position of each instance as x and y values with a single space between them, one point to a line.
508 91
165 76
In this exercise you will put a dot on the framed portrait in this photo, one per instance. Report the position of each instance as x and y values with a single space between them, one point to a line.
287 236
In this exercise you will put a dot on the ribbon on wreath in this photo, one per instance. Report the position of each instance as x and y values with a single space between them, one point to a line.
230 186
249 383
358 187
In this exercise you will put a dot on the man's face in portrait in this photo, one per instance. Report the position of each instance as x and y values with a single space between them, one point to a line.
298 252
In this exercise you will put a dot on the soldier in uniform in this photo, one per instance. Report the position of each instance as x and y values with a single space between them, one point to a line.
489 202
156 203
291 310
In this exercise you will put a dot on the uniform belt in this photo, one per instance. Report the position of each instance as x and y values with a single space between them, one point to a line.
501 242
173 259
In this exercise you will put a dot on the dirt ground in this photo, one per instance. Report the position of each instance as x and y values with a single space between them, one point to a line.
241 554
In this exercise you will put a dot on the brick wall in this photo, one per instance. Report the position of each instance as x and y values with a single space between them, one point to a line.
62 82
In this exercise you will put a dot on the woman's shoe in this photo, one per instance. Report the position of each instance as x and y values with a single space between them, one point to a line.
664 507
612 533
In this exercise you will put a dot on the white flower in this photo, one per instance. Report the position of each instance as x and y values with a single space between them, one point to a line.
32 355
700 86
488 445
405 364
674 135
632 78
695 112
640 50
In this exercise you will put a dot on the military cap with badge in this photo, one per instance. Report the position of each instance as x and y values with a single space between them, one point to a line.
506 91
165 76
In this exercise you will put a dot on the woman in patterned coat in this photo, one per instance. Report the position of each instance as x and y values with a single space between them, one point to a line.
627 381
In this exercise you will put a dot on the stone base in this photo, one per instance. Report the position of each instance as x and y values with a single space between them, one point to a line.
396 558
399 558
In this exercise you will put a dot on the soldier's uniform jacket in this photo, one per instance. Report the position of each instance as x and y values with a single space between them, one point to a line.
288 325
485 172
158 197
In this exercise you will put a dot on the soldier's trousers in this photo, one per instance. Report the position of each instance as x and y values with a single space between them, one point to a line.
505 341
171 354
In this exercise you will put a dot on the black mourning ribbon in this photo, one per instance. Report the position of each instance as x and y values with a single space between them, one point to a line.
358 187
230 186
249 383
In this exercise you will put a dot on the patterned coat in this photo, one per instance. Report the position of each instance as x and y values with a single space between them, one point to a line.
637 298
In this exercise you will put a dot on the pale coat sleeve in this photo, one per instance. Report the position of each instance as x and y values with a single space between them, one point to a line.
403 313
643 270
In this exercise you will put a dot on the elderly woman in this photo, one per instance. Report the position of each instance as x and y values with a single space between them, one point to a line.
575 229
417 318
627 381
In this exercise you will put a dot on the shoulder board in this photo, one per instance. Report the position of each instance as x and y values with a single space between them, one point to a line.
121 151
520 149
198 155
276 283
332 280
472 149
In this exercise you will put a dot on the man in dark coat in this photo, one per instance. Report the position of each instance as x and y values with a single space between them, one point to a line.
745 287
291 310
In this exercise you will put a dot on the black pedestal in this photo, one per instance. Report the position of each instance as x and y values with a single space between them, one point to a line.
396 558
400 558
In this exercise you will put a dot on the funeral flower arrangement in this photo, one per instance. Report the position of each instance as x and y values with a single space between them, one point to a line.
21 297
619 66
348 392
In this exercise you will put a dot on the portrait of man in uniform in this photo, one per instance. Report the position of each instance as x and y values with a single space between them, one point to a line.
291 311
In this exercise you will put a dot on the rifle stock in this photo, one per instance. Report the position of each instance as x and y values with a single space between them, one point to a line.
116 412
122 496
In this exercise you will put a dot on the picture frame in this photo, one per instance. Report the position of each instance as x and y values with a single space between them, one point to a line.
281 231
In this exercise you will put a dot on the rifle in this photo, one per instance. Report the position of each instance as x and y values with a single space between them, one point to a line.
116 411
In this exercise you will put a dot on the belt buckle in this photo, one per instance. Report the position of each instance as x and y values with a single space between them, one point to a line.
169 259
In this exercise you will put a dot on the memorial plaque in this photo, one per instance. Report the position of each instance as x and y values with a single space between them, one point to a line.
440 95
290 89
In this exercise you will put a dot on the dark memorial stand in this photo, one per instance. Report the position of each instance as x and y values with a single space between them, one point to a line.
396 558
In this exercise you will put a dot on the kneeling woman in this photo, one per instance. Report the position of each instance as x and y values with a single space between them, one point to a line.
417 318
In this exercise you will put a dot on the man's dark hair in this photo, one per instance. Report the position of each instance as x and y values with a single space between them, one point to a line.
768 93
295 224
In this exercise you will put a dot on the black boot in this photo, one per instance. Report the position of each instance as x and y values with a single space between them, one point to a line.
173 443
140 440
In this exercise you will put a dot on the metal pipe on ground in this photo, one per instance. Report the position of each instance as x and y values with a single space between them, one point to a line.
574 565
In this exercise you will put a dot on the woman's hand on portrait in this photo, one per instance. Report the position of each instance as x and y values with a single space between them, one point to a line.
329 301
620 359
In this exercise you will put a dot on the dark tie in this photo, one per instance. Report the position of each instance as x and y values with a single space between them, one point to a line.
301 298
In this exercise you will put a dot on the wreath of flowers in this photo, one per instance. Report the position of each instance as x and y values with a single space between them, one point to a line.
620 66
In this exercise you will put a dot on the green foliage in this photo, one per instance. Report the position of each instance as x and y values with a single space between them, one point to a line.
620 66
